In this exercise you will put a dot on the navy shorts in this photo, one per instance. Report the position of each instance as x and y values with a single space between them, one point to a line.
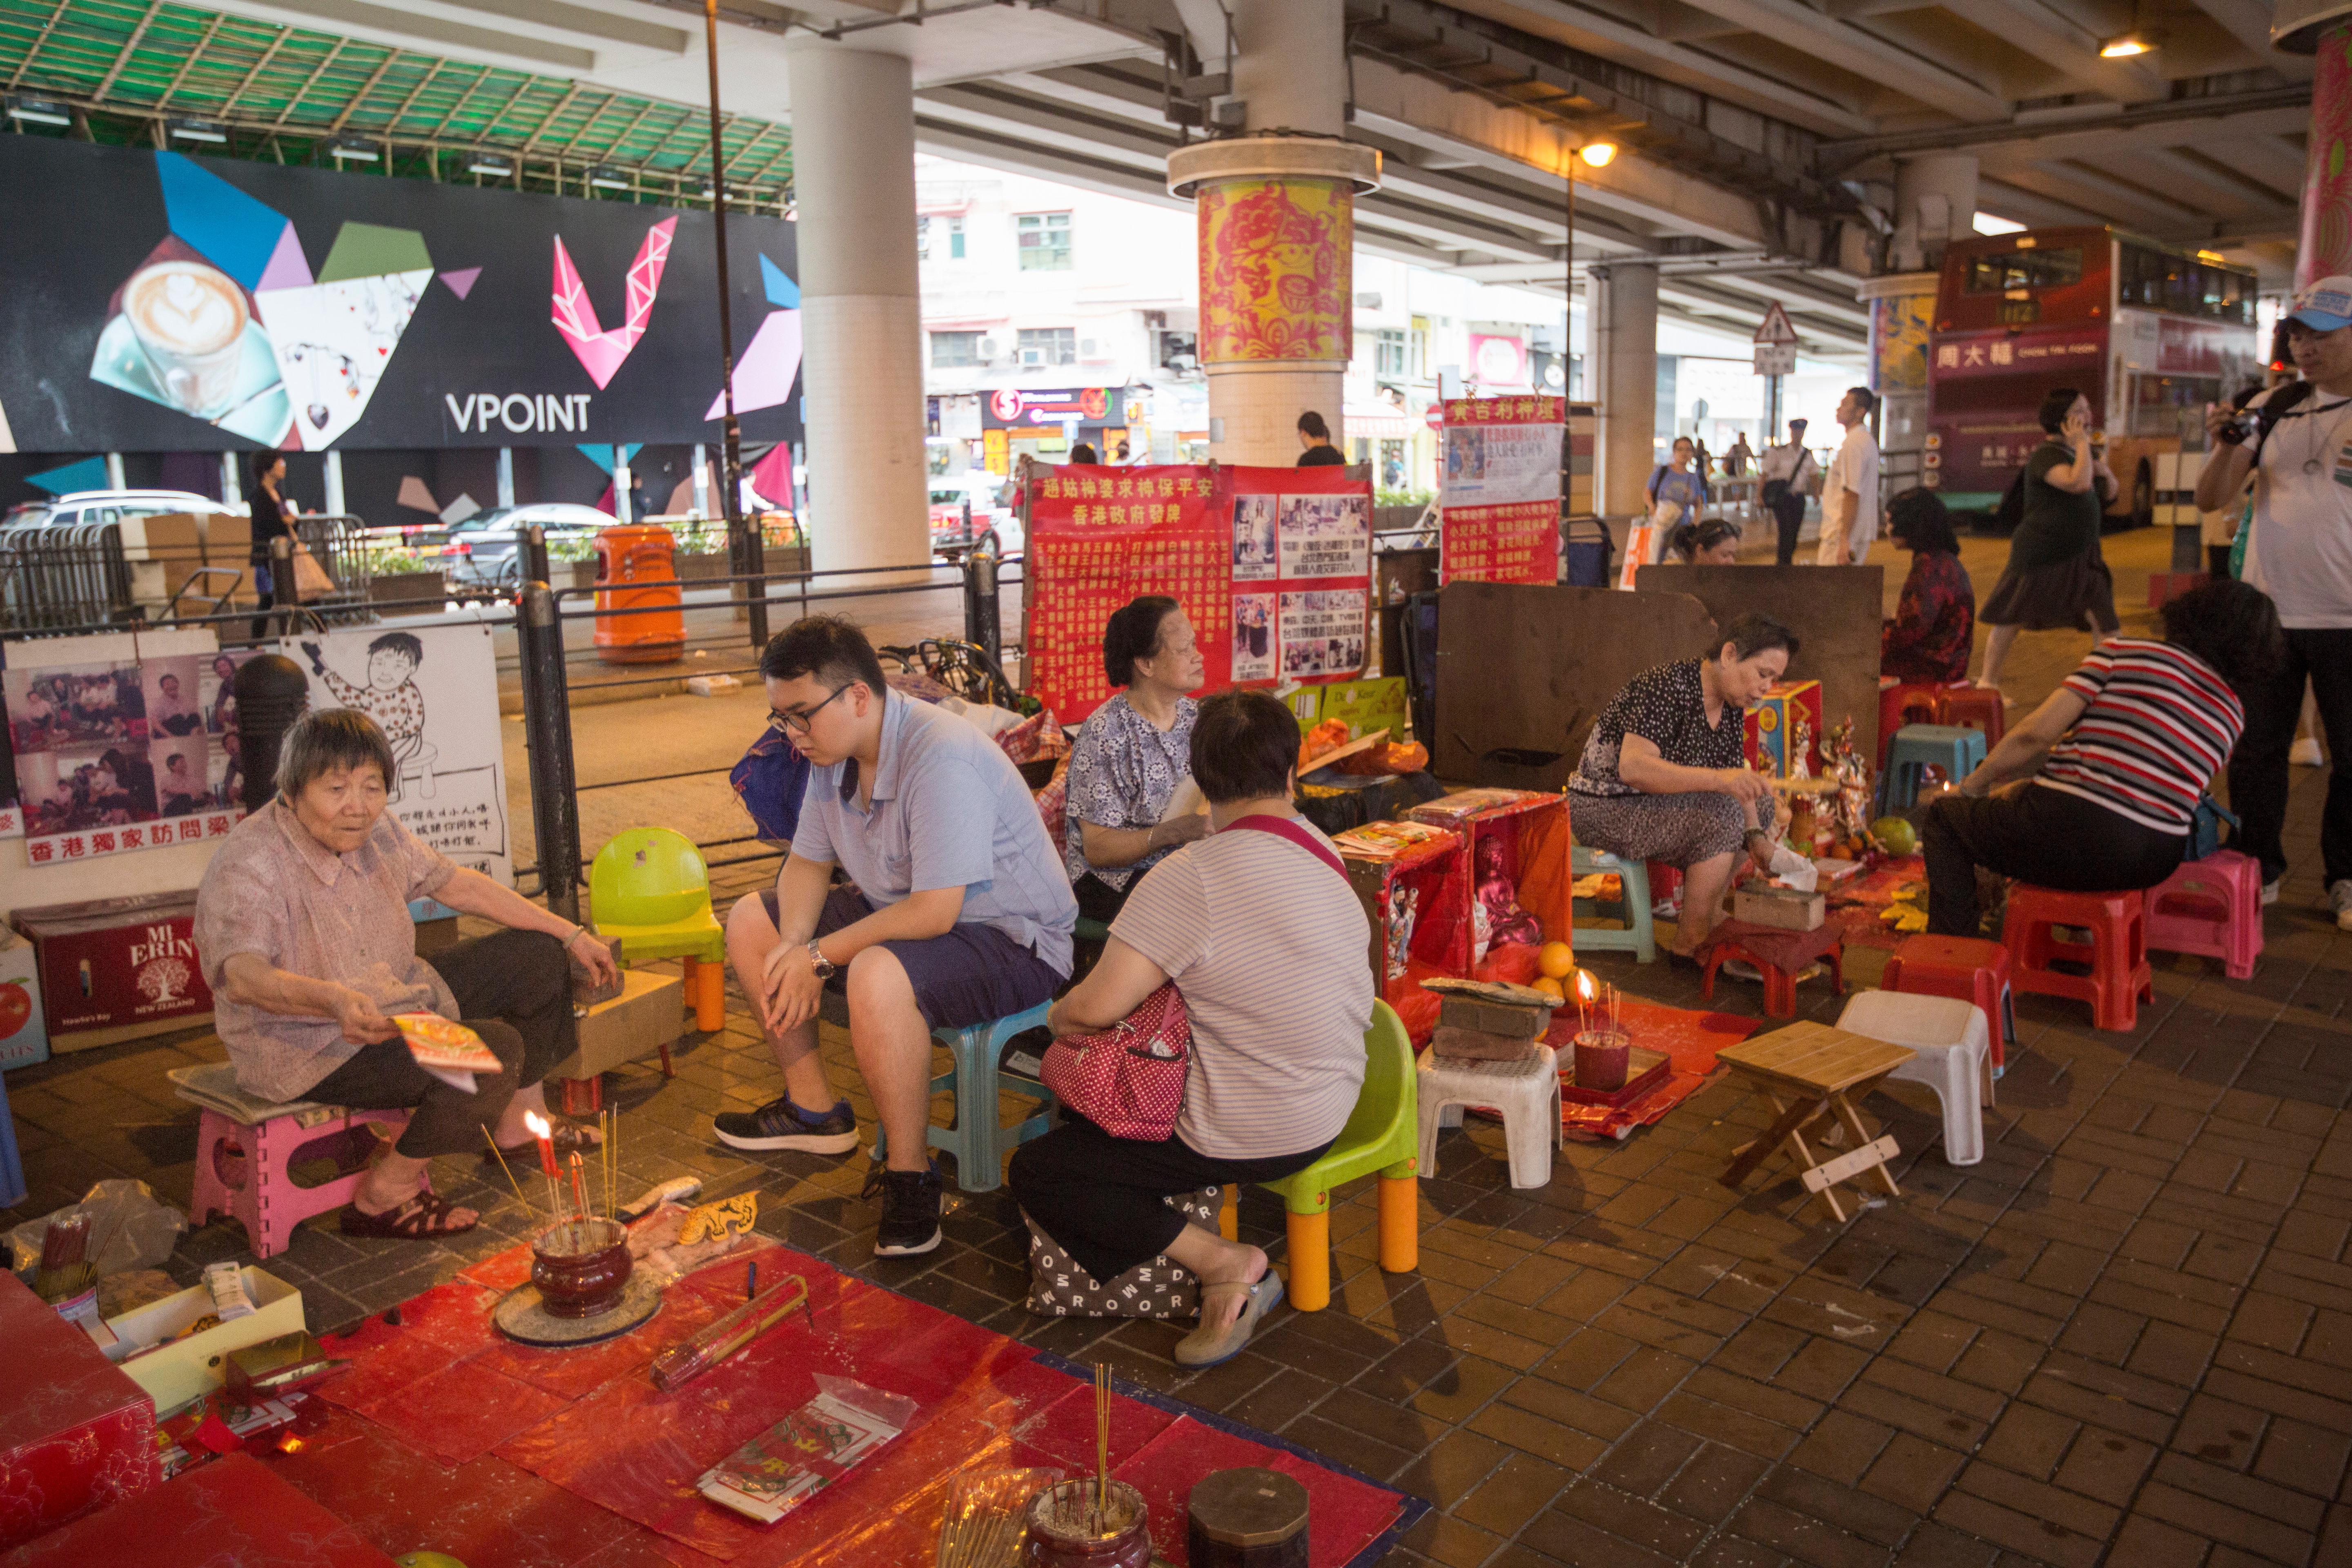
973 975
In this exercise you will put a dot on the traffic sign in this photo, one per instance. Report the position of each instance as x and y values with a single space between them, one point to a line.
1435 417
1775 328
1776 359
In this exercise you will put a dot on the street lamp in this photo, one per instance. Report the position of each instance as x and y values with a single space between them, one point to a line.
1596 155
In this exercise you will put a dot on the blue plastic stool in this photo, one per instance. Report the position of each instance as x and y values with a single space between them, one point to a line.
1919 747
12 1172
1633 883
975 1140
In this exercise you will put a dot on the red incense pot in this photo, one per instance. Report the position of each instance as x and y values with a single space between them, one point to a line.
581 1267
1602 1056
1064 1528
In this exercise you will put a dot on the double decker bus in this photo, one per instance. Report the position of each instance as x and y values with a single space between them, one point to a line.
2151 333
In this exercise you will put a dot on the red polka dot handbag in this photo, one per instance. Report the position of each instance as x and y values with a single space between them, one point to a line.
1127 1079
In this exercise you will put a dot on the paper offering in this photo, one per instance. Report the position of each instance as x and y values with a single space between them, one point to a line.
808 1450
449 1050
1187 801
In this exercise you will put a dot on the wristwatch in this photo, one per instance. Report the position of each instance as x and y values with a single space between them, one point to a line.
819 964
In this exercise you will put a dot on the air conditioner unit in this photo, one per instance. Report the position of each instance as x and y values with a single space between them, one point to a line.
988 347
1086 348
1033 357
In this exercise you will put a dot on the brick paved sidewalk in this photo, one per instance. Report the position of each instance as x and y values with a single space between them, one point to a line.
2126 1333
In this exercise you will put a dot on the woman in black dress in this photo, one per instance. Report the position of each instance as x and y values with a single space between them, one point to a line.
2056 575
273 518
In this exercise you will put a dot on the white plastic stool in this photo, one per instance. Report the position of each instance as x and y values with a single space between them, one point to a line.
1526 1091
1954 1047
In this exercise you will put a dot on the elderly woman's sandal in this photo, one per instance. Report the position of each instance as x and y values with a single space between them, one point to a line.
1205 1346
425 1217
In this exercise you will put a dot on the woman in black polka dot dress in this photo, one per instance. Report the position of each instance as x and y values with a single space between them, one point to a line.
1665 775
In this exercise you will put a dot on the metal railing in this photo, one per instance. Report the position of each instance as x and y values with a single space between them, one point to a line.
56 577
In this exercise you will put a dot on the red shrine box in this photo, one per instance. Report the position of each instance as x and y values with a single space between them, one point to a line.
124 966
1522 836
75 1434
1786 722
1413 880
232 1511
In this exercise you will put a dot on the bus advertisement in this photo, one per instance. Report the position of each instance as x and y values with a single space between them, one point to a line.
2149 333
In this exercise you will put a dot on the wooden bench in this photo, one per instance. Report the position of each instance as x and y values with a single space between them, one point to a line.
1812 1075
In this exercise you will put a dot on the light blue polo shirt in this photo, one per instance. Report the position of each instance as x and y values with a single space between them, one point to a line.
949 810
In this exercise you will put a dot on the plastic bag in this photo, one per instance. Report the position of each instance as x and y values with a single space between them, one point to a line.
130 1227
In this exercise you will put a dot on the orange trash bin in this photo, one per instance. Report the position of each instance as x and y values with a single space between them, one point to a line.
631 554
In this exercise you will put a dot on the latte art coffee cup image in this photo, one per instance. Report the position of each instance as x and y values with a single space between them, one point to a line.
190 321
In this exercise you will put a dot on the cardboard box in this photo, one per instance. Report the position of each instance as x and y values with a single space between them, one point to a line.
228 543
188 1369
1789 715
163 553
23 1033
76 1433
1785 908
648 1014
115 963
1365 705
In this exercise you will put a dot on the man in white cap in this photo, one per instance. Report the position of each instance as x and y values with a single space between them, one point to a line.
2296 442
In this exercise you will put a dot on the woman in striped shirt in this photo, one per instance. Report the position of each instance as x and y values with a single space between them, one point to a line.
2097 792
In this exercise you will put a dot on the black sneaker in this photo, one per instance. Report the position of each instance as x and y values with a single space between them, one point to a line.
910 1211
781 1124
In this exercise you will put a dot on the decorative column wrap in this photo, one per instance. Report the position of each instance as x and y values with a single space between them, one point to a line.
2326 248
1276 263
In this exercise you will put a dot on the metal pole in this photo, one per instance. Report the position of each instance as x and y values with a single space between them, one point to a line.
744 553
282 591
533 547
547 740
982 623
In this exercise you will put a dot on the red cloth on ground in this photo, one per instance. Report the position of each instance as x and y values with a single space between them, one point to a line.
1783 950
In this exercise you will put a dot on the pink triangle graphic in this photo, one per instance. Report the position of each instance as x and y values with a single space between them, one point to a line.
287 268
601 350
461 281
764 375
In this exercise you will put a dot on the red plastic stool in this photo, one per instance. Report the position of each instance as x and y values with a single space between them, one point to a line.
2116 953
1972 708
1778 955
2180 917
1906 704
1964 968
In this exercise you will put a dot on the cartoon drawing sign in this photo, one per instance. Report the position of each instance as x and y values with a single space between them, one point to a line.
433 690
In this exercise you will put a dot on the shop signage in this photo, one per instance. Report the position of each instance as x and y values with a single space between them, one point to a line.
2002 354
1010 407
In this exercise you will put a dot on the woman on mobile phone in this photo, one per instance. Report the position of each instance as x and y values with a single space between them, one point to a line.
2056 575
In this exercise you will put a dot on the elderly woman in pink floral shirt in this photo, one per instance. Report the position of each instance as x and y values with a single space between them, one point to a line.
304 931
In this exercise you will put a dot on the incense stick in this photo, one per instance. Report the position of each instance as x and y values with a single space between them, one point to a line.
1102 1447
510 1175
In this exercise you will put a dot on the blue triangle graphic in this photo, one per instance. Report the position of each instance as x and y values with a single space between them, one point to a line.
235 232
90 474
602 455
782 292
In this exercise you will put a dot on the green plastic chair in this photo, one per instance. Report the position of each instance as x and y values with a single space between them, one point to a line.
1382 1134
650 890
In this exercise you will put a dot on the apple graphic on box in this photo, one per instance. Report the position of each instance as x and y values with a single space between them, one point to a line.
16 1009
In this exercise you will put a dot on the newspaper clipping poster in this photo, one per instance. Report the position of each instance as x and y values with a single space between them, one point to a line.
1325 536
1322 632
1499 489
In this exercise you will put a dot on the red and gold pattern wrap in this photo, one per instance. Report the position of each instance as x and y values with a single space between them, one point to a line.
1276 269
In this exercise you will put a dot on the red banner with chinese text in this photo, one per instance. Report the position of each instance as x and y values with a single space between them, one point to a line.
1499 490
1272 566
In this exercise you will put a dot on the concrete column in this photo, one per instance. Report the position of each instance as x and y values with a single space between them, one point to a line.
1623 305
1276 230
1934 202
701 482
852 115
621 485
114 479
232 480
334 467
506 476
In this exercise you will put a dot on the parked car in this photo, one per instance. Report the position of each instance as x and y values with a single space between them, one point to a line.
981 488
485 550
110 506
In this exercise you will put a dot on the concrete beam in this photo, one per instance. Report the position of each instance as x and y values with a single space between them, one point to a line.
2280 111
2065 42
2249 22
1813 105
1939 83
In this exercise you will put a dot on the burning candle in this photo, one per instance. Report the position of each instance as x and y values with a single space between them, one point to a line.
545 1133
1586 989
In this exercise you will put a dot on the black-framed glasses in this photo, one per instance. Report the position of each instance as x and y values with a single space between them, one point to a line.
798 723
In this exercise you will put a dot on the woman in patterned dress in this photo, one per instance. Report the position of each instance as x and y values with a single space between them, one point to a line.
1664 774
1132 755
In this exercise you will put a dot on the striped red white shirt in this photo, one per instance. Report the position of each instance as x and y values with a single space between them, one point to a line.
2160 724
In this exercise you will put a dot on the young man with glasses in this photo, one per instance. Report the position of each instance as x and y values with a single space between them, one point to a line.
959 912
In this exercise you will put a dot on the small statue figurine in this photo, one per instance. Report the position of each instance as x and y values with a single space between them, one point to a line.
1843 764
1497 918
1404 911
1801 742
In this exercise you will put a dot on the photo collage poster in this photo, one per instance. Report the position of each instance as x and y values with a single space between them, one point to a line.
122 742
1271 565
1499 489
